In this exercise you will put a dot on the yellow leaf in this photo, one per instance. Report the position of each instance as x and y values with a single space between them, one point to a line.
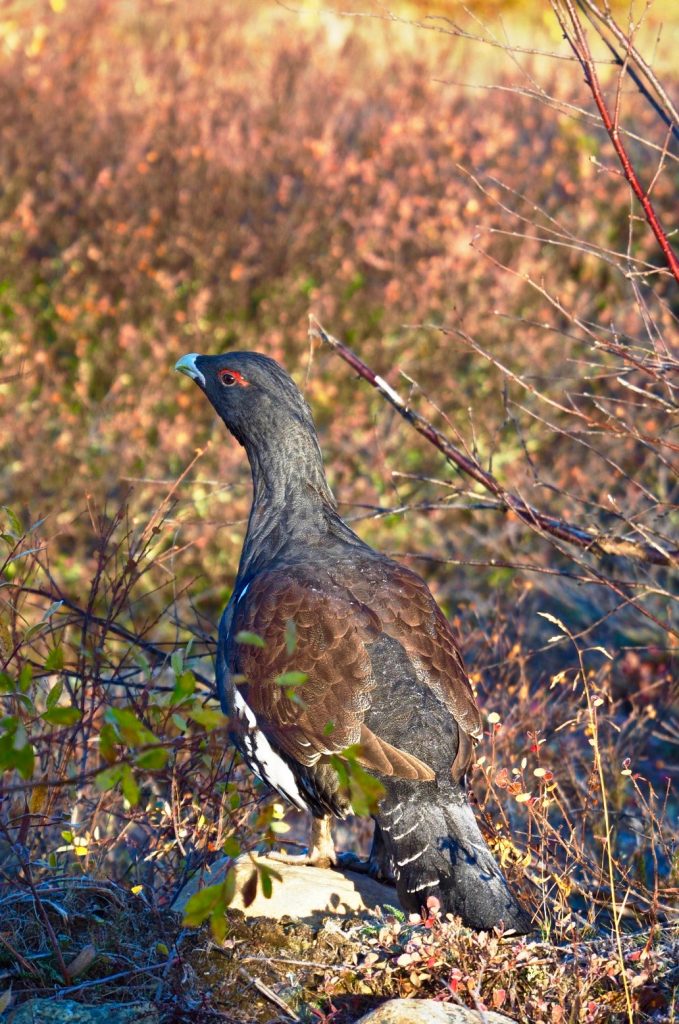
38 800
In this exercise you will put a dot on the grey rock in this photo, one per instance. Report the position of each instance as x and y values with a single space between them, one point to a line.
304 893
66 1011
430 1011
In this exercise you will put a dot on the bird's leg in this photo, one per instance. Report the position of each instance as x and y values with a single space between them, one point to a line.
321 853
377 866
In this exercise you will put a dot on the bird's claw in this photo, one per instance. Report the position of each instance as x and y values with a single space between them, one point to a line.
371 866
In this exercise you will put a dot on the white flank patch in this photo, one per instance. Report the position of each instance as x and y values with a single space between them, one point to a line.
415 856
263 759
407 831
388 390
242 593
424 885
392 810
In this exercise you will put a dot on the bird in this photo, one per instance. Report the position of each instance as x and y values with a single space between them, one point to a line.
328 645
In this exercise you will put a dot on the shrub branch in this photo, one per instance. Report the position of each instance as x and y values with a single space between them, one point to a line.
577 39
595 543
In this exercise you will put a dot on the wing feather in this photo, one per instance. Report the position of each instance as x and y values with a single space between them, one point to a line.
334 625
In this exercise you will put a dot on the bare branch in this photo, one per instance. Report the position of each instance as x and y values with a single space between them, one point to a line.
577 39
597 544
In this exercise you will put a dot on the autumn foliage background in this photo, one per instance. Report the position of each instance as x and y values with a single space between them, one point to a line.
179 177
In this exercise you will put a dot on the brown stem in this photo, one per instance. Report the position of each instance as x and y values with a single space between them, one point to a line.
578 43
159 656
51 934
597 544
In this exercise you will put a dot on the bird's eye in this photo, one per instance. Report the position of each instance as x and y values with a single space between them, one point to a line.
227 378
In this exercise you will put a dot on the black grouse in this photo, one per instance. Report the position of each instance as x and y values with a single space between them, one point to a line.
383 669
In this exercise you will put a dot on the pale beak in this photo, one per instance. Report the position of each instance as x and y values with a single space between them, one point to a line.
187 365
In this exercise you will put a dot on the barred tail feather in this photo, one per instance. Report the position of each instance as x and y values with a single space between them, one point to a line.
436 848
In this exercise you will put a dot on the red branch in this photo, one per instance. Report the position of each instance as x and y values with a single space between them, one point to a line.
598 544
581 49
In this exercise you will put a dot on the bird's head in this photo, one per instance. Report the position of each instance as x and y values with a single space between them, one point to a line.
254 396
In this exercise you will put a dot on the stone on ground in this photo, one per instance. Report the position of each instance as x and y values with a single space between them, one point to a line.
430 1011
305 893
66 1011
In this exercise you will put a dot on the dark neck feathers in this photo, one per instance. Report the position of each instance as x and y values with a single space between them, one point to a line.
292 502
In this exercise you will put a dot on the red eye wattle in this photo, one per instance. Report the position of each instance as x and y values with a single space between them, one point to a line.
229 378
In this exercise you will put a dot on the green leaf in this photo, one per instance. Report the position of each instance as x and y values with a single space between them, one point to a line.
54 607
265 877
16 754
54 661
34 631
291 678
108 778
231 847
153 760
229 888
55 693
210 901
13 520
184 686
6 683
24 761
128 727
62 716
180 722
177 662
25 677
290 636
107 742
363 790
251 639
129 786
209 718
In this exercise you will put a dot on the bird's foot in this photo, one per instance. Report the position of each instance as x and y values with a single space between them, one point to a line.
371 866
321 853
313 858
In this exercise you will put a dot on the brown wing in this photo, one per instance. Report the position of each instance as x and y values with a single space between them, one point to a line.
414 618
323 715
409 614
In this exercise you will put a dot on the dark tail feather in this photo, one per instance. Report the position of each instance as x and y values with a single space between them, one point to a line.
434 843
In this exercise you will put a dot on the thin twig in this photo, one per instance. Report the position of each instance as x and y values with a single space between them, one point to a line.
597 544
578 42
160 656
670 115
269 994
